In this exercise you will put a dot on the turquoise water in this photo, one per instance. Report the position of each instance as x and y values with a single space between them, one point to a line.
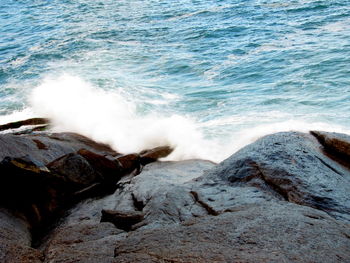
224 71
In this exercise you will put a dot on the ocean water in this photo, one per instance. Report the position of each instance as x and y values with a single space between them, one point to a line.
206 77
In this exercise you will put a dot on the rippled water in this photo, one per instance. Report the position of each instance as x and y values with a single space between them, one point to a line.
206 76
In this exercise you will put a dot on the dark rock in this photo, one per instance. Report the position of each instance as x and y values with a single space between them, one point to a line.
91 145
26 163
107 166
46 147
40 145
61 245
42 193
336 145
122 219
75 169
18 124
29 188
130 162
152 155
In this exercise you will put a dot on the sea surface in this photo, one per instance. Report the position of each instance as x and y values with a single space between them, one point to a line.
206 77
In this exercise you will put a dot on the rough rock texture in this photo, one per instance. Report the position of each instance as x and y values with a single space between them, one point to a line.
45 147
42 175
291 167
266 203
336 146
122 220
269 232
88 214
15 240
82 242
284 198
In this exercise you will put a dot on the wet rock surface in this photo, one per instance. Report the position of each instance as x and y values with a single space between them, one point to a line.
269 232
284 198
152 155
291 167
46 147
29 122
15 240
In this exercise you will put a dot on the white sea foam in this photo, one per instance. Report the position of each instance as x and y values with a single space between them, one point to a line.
16 116
245 136
74 105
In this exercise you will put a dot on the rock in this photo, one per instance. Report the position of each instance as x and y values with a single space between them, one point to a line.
46 147
130 162
30 189
15 240
269 232
336 144
122 220
107 166
291 167
152 155
27 163
85 143
283 198
148 193
162 192
75 169
123 210
83 242
42 193
18 124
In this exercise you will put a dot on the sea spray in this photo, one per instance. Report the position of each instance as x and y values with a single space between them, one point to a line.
75 105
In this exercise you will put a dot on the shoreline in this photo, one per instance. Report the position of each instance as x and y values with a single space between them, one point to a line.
69 198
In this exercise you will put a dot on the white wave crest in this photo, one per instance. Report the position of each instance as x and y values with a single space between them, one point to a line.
106 116
74 105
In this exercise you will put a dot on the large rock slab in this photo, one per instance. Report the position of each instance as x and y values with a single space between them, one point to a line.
154 192
292 167
46 147
162 191
270 232
157 182
283 198
190 212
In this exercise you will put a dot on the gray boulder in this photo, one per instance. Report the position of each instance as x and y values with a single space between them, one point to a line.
284 198
291 167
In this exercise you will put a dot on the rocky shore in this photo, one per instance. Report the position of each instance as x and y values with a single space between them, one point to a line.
67 198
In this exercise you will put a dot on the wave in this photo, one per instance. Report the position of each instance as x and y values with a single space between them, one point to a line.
108 116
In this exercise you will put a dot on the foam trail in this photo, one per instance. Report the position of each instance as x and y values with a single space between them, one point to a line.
74 105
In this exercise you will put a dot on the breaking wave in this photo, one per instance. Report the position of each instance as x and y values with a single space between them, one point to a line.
107 116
